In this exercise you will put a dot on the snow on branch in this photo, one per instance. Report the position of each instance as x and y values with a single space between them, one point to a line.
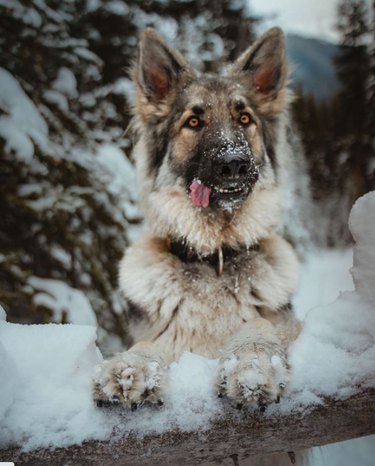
45 389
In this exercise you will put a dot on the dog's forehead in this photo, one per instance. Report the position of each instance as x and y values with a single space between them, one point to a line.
215 94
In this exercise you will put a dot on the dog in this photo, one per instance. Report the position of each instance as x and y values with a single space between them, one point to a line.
215 275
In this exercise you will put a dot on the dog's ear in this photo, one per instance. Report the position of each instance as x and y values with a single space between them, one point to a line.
265 64
158 66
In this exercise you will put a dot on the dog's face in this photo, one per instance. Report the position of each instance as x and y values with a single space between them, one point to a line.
214 147
212 130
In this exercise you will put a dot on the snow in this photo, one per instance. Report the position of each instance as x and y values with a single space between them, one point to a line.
56 98
45 399
362 227
67 303
47 369
325 274
118 175
66 83
21 124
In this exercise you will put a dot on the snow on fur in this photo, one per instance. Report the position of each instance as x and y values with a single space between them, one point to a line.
46 369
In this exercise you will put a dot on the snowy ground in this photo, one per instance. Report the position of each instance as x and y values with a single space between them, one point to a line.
45 370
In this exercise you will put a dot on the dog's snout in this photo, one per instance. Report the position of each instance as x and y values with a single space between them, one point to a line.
232 167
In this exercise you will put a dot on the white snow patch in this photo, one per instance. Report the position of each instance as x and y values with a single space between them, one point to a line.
66 83
21 125
124 86
324 274
63 300
3 315
56 98
46 385
118 173
362 226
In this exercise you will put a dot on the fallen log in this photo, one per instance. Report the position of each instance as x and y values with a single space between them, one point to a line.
227 442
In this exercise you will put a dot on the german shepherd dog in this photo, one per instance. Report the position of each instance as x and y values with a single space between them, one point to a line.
215 276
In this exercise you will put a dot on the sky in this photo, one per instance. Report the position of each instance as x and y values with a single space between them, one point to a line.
311 18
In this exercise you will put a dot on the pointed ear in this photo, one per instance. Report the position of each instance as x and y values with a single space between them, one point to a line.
265 64
158 66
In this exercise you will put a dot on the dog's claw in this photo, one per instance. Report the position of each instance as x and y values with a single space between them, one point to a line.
160 403
115 400
239 406
134 406
99 403
282 385
277 399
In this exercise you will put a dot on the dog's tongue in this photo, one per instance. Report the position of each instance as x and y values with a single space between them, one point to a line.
200 194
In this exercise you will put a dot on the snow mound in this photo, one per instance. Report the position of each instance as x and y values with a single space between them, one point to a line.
46 370
45 388
362 227
336 349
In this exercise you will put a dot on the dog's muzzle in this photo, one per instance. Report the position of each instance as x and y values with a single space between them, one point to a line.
226 177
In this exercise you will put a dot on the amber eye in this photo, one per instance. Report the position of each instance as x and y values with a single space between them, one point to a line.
194 123
245 119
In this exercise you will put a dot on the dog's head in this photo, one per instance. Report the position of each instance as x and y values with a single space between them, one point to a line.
210 139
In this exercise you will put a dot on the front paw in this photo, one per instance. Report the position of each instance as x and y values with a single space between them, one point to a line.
256 375
129 379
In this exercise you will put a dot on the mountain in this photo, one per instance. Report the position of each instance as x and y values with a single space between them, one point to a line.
313 68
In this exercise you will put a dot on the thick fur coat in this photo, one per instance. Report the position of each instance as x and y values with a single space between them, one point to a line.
214 276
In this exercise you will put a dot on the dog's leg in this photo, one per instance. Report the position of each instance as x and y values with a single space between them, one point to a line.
253 367
132 378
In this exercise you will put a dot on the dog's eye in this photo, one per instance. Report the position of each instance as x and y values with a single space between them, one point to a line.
194 123
245 119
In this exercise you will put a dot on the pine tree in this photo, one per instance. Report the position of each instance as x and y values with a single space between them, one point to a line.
66 207
352 64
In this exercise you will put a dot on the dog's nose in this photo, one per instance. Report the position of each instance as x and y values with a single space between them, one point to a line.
232 167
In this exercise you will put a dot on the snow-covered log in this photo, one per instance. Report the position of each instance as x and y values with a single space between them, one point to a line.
233 438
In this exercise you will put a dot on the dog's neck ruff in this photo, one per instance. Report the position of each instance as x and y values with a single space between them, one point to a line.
188 254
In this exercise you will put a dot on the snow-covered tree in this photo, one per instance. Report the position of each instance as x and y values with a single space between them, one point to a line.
67 195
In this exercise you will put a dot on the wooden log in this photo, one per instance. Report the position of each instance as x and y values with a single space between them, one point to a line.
227 442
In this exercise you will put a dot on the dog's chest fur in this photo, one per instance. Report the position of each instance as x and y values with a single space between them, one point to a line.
186 306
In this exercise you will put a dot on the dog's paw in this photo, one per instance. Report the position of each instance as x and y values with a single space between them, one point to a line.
256 375
129 379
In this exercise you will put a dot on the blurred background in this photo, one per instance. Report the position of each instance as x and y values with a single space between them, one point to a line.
68 200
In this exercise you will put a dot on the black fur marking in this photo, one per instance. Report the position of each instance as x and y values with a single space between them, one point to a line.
255 294
159 151
135 312
287 308
174 313
269 144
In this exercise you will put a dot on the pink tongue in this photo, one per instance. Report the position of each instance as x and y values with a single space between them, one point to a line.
200 194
